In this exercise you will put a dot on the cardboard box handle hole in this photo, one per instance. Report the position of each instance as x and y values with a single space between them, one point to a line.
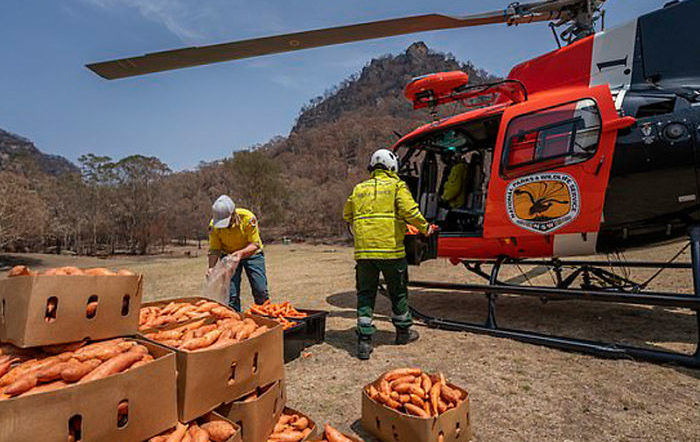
125 304
240 425
2 310
51 309
75 428
255 363
232 376
91 307
379 424
394 433
123 413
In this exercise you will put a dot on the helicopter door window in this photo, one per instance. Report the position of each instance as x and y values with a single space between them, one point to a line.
554 137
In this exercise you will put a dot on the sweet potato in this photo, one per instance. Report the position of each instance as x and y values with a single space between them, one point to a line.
259 331
402 380
301 424
384 398
245 331
203 342
5 366
99 271
219 431
112 366
417 401
52 372
426 383
124 272
91 309
287 436
410 389
206 306
203 330
450 395
167 335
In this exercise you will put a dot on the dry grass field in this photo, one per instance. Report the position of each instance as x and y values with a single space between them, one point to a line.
518 391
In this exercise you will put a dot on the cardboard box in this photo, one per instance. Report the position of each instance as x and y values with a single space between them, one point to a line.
314 428
258 417
164 302
390 425
27 321
92 407
209 378
211 417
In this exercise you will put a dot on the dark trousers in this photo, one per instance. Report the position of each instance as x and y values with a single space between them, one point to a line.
395 272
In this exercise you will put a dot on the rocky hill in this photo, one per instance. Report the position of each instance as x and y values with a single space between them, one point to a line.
20 155
380 84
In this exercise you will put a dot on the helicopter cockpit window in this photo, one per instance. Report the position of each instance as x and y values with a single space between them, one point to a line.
554 137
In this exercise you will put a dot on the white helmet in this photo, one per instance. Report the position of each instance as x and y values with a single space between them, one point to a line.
386 158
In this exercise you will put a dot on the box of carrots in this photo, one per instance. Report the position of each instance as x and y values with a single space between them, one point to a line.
115 390
68 304
409 405
258 411
293 426
208 428
221 357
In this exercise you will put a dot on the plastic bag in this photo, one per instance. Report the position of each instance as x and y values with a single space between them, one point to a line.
219 281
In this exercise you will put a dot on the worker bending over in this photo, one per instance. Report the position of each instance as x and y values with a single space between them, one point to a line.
378 210
234 231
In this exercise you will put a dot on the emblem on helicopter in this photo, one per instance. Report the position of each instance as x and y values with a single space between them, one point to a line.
543 202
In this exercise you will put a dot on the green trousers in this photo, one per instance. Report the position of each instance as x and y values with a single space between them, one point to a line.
395 272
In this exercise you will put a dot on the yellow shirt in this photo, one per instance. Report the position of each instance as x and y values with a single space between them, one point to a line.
236 236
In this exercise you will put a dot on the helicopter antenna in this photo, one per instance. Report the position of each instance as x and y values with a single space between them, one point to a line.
578 15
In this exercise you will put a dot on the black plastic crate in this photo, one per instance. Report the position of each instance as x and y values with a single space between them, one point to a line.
315 326
294 342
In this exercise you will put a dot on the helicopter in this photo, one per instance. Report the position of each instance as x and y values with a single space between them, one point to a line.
592 148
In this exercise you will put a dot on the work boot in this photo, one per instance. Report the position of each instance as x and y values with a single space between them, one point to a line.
406 335
364 347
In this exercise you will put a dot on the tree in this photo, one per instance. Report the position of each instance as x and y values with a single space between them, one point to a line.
23 214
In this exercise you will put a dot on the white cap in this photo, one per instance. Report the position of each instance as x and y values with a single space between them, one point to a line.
222 210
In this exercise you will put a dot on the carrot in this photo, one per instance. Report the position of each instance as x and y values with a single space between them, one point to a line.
402 380
112 366
434 396
334 435
24 383
426 383
417 411
259 331
400 372
219 431
410 389
205 341
178 434
55 385
18 271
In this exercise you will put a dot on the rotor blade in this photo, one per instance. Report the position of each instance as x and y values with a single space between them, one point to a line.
195 56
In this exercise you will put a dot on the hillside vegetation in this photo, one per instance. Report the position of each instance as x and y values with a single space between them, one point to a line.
296 184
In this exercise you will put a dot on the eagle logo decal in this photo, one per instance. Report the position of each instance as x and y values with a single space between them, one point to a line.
543 202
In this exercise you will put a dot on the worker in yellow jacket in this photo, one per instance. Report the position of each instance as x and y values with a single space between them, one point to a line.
234 231
378 210
454 191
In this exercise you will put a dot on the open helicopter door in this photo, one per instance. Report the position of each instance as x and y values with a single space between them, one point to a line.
418 247
550 171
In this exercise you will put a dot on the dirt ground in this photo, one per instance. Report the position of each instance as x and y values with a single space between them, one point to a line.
518 391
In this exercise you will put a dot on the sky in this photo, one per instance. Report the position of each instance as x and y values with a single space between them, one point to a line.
205 113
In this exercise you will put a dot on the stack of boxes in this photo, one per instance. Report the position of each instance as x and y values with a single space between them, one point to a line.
38 311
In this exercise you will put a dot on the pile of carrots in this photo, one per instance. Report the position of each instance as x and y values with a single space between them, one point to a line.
410 391
279 312
215 430
330 434
97 271
154 316
204 335
291 428
22 374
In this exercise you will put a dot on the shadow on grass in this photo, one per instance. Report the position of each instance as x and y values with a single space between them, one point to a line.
347 339
9 261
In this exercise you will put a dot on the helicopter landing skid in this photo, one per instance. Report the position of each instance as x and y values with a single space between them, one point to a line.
620 292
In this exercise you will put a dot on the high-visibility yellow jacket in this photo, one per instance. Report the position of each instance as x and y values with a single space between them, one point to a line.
378 210
454 191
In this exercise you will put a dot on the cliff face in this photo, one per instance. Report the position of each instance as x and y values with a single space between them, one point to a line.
20 155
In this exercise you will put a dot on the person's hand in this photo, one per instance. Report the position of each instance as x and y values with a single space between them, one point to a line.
432 228
210 270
